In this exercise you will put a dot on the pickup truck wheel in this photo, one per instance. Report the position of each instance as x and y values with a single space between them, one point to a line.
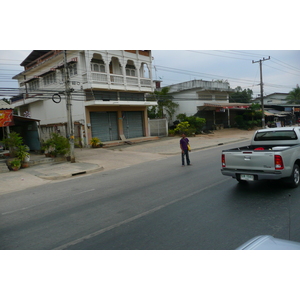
294 179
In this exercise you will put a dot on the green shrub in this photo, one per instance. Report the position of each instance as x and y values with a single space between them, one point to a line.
195 122
171 132
57 144
182 127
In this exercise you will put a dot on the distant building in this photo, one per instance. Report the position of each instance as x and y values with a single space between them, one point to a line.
206 99
273 99
195 93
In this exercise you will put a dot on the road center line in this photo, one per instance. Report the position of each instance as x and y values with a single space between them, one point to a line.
91 235
39 204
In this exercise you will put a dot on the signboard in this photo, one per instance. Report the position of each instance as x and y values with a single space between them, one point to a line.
6 117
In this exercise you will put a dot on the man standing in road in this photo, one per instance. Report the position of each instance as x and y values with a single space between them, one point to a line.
184 141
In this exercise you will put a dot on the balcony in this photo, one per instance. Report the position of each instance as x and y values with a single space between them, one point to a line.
117 82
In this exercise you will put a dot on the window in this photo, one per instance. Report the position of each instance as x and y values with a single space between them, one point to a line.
96 67
130 70
72 69
34 85
49 78
275 135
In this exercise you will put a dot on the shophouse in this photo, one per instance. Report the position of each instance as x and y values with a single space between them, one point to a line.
107 92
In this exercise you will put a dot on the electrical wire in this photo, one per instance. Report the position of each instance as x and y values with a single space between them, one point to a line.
189 72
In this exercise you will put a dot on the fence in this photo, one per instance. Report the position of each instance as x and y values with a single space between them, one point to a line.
158 127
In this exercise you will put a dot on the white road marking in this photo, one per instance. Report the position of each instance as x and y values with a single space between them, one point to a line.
91 235
32 206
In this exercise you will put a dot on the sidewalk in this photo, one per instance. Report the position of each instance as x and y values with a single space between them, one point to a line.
90 160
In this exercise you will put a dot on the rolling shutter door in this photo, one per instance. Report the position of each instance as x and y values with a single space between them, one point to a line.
104 126
133 124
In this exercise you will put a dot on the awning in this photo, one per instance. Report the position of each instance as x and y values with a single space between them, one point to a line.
276 113
223 105
268 114
25 119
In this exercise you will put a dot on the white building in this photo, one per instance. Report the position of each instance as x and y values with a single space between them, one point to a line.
108 92
193 94
273 99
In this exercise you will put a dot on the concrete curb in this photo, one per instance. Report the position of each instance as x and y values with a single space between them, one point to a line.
58 177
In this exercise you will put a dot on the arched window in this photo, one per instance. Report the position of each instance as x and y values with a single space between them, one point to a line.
130 69
144 71
97 64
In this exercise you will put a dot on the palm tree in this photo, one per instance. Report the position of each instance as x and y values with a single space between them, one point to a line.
294 95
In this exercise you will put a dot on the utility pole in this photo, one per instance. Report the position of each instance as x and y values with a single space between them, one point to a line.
261 90
70 126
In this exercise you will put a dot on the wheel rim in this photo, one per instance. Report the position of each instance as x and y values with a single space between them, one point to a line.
296 175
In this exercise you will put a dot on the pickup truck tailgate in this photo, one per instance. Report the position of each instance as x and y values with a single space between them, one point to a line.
250 160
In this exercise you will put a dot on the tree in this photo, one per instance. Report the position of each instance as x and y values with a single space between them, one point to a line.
294 95
5 100
251 118
241 96
164 104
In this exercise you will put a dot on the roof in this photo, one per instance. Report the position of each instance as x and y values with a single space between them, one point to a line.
4 105
25 119
228 105
33 56
225 105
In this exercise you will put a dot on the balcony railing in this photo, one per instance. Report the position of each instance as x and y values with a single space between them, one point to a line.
145 82
132 80
99 77
114 79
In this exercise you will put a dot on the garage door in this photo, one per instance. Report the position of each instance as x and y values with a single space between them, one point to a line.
104 126
133 124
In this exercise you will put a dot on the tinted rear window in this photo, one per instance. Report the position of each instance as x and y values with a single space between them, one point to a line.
275 135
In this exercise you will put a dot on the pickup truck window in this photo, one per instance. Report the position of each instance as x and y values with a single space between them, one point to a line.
275 135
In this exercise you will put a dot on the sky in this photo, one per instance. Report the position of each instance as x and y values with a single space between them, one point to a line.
281 73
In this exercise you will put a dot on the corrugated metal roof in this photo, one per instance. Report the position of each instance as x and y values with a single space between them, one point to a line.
33 56
4 105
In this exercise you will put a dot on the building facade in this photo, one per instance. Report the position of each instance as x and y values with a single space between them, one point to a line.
273 99
195 93
107 89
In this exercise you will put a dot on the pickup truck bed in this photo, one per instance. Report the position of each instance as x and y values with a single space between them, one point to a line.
273 154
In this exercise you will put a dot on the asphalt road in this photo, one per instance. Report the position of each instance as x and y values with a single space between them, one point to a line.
153 205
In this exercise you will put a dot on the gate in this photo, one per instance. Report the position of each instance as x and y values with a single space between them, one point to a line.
104 126
133 124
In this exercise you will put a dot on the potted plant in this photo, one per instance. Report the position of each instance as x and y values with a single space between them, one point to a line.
12 142
95 142
15 164
23 155
48 147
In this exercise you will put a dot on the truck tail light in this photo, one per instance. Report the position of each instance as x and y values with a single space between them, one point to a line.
278 162
223 161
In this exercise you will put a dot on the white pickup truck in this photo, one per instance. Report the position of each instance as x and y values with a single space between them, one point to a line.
274 153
